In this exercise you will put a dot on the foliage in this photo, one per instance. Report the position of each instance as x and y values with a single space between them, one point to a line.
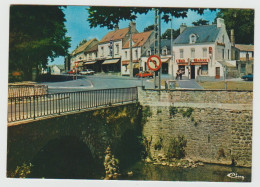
188 112
177 148
149 28
167 34
173 111
159 111
242 21
158 144
200 22
146 112
37 34
22 171
110 16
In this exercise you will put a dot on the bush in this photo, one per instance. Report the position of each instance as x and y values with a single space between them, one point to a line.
177 148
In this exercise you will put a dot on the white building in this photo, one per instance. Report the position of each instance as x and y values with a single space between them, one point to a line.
110 48
203 52
140 42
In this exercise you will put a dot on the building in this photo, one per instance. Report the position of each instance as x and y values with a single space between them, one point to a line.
203 52
110 48
165 55
91 59
140 42
78 54
245 65
54 69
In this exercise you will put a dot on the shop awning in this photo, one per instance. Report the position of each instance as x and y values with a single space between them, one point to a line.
126 62
91 62
112 61
165 60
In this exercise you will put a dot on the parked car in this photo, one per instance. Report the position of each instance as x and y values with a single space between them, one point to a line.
87 72
73 71
144 74
248 77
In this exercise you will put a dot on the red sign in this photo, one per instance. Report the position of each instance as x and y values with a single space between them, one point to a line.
76 63
154 63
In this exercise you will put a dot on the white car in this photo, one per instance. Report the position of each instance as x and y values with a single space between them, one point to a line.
87 72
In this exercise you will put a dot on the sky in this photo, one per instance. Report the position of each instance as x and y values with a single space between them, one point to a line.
79 29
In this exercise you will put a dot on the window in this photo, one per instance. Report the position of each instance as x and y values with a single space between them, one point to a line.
117 48
125 54
204 69
223 53
164 52
90 56
149 53
192 53
193 38
136 54
102 51
228 54
223 39
204 52
181 53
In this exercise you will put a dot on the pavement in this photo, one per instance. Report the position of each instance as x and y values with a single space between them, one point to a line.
186 83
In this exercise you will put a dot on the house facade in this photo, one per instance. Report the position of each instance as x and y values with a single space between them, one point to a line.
165 55
110 48
78 55
245 65
140 42
203 52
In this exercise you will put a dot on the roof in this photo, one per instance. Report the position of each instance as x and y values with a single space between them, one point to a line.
244 47
164 43
93 48
204 33
83 47
139 39
115 35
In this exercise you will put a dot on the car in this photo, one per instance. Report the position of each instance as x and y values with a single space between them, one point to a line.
87 72
248 77
144 74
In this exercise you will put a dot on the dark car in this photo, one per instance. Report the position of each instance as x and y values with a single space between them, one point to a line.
144 74
248 77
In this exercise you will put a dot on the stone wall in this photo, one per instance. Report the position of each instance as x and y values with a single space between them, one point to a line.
218 128
19 90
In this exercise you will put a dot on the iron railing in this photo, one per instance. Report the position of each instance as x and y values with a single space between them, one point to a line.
32 107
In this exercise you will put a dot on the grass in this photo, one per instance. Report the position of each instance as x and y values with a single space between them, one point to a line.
231 85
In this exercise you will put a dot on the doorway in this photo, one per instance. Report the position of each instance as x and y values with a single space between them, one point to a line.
192 71
217 72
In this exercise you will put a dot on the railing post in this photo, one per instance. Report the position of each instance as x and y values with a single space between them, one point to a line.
59 102
34 107
79 101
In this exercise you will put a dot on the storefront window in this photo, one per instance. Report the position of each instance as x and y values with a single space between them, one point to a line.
204 69
243 68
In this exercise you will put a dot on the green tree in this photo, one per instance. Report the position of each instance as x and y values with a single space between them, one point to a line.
37 35
149 28
110 16
242 21
167 34
200 22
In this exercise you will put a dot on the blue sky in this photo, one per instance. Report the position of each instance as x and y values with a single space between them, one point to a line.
78 26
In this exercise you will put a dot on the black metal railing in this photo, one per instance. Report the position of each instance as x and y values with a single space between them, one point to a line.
31 107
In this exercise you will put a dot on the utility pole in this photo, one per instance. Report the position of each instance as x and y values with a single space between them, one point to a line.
130 43
155 40
172 49
159 47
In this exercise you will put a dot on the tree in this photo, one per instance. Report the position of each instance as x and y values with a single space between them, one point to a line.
149 28
167 34
110 16
37 35
200 22
242 21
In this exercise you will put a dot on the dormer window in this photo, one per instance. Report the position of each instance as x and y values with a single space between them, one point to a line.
193 39
148 52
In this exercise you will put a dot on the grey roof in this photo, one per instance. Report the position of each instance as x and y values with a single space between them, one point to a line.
205 33
164 42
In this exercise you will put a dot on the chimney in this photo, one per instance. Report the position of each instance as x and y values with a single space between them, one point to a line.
116 27
232 37
220 22
133 27
183 26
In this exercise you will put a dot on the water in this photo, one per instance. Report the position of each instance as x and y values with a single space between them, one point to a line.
208 172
